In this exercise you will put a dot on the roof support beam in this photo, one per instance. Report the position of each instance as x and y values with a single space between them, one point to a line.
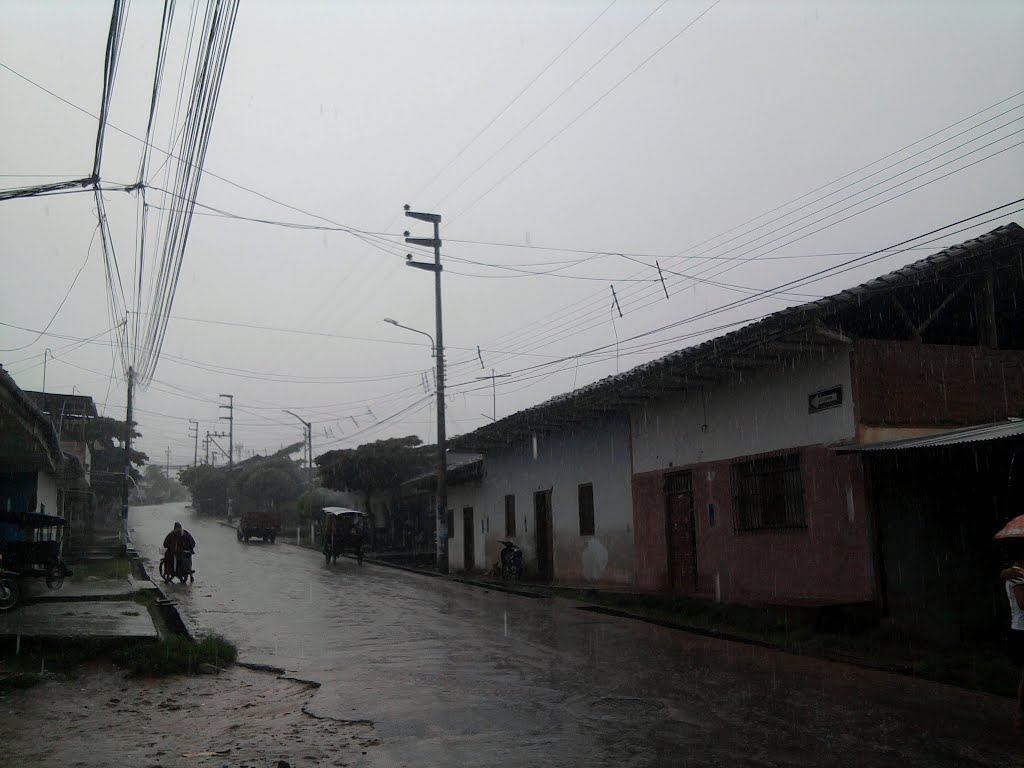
830 333
939 309
915 334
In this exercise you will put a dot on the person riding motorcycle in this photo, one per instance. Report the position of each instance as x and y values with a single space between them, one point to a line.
180 546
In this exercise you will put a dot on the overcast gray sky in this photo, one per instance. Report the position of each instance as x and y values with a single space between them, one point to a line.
346 110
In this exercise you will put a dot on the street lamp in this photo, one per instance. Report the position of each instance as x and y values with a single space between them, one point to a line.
433 347
309 445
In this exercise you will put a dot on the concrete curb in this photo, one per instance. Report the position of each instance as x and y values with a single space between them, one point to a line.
716 634
168 608
457 579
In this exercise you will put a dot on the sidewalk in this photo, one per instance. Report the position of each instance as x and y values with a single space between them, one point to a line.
100 609
113 606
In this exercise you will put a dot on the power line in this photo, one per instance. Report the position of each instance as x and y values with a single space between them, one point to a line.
585 111
550 104
511 103
60 306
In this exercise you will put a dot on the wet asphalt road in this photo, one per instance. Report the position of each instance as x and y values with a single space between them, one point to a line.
451 674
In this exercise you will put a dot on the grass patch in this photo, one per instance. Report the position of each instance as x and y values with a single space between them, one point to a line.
175 655
114 568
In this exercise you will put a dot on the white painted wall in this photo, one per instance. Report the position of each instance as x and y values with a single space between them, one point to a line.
46 493
596 454
766 411
459 498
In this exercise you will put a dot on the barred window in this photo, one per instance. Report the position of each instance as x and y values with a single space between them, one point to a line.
586 502
510 516
768 493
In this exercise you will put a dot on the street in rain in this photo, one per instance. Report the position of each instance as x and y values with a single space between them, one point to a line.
467 384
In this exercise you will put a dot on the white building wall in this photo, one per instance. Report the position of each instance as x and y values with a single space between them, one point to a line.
596 453
766 411
46 493
461 497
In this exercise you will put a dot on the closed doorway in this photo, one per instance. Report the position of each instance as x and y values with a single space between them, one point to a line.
542 526
468 539
681 532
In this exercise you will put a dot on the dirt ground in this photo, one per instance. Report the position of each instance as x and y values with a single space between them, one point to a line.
241 718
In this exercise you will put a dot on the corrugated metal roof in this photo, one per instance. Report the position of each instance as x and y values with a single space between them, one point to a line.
609 394
977 434
47 432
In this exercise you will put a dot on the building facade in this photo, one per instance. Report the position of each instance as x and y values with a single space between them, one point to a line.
730 470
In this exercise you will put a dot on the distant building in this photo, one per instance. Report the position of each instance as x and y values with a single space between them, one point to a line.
31 460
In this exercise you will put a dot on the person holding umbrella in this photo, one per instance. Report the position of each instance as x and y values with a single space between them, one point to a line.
1013 532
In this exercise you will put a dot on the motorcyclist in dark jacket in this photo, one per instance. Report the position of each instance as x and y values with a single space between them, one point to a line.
179 542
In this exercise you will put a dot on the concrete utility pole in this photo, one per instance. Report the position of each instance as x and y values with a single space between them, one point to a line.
308 432
231 445
45 353
210 436
123 534
193 424
442 447
206 447
167 465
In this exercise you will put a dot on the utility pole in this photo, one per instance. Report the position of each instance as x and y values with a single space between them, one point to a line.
193 424
123 535
45 353
308 433
206 447
442 447
167 465
210 438
231 446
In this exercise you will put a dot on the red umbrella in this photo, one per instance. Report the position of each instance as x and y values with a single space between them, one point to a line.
1013 529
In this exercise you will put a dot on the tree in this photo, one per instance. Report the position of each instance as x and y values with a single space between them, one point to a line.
378 466
209 488
106 444
273 479
159 489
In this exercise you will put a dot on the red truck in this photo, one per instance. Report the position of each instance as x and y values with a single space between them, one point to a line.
257 521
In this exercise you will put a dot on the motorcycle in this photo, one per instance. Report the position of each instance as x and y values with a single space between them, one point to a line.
177 567
10 592
511 560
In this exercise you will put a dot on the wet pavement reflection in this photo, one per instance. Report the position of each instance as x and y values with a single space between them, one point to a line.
451 674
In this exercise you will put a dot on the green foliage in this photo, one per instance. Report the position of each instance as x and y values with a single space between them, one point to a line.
113 568
175 655
273 479
160 489
376 466
209 488
318 497
106 441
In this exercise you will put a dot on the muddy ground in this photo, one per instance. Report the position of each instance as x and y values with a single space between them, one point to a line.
242 717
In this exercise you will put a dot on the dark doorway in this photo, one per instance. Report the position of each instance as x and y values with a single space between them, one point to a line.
542 526
681 532
468 539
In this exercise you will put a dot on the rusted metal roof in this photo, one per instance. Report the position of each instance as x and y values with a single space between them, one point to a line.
35 420
1000 430
803 329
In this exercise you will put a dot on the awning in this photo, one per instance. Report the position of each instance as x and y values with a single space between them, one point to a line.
981 433
31 519
339 511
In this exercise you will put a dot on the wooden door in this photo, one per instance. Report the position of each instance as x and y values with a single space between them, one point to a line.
542 526
681 532
468 539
